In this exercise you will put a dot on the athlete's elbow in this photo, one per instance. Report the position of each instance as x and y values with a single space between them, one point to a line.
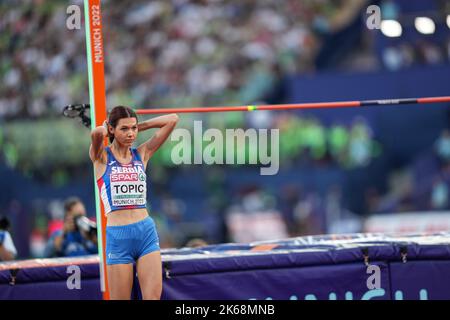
98 133
174 118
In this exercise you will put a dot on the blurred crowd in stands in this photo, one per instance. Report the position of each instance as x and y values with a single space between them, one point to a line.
422 185
423 52
159 53
410 50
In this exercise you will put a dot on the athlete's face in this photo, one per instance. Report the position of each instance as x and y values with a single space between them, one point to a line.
126 131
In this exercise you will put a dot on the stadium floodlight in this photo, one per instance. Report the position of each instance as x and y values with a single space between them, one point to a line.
391 28
425 25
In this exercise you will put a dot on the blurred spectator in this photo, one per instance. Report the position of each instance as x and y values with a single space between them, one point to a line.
72 240
314 138
372 200
308 216
392 58
439 195
289 197
7 249
429 53
253 199
408 55
360 144
333 205
442 146
196 243
338 137
389 10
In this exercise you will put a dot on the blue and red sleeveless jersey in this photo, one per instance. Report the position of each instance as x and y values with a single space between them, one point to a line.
123 186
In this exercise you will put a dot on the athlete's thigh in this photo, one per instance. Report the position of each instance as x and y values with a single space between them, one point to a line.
120 281
149 271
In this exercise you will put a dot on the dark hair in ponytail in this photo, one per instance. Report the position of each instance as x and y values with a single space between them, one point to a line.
117 113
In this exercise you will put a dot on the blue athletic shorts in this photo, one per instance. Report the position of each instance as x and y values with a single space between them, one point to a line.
126 244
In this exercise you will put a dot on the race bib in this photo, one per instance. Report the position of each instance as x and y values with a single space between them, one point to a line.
128 186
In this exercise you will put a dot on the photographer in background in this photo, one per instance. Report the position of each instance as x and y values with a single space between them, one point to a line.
78 236
7 249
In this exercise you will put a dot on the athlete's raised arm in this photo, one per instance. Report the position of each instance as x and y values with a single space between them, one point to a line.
166 124
97 136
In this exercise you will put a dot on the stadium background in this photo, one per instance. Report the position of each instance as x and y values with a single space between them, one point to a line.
338 167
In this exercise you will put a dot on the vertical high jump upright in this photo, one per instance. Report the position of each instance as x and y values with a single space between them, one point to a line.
97 96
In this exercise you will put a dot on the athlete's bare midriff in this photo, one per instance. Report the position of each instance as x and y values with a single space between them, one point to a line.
124 217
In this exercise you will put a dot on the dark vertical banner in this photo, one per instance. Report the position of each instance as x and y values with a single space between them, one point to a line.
97 95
